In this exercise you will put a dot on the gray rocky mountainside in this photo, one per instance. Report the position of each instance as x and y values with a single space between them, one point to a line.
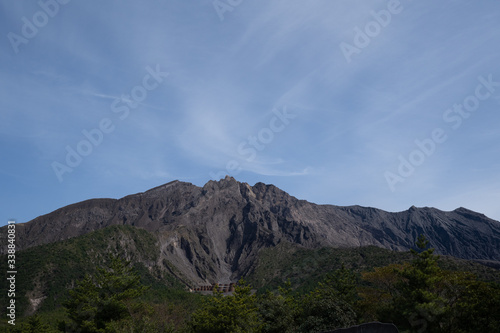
214 233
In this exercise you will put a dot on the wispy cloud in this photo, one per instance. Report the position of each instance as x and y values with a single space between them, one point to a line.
353 119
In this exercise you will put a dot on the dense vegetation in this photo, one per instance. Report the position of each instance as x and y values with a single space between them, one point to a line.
305 268
49 271
298 290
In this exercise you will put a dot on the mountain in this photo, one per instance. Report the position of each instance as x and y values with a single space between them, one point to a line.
215 232
47 272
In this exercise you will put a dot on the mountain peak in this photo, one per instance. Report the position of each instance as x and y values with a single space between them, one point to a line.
229 178
214 233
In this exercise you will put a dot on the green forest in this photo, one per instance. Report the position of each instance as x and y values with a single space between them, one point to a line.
420 293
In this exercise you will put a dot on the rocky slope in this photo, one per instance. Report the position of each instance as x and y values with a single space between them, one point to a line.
214 232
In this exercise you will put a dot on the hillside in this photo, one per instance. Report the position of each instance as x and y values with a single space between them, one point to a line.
47 272
304 268
215 232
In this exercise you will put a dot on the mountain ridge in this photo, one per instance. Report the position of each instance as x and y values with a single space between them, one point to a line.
215 232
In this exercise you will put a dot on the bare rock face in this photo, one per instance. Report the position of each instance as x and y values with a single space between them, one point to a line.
213 233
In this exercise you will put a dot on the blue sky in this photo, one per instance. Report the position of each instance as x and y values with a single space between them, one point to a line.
378 103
